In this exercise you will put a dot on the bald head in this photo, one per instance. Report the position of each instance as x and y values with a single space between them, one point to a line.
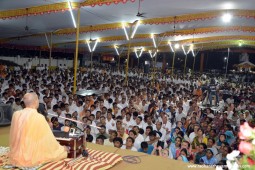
31 100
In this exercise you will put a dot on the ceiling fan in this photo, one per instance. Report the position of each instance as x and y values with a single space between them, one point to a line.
139 13
175 32
27 28
90 39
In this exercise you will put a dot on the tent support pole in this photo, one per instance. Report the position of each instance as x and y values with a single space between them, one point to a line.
76 51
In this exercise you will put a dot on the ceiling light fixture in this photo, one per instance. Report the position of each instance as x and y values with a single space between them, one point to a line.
240 43
184 50
154 42
124 28
152 55
71 12
192 50
226 18
171 47
116 49
136 26
94 47
176 46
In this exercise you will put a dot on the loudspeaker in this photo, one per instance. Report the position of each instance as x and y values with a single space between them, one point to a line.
5 114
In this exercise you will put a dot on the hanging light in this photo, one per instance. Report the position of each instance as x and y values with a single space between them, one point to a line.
125 30
71 12
136 26
94 47
240 43
141 52
184 50
136 53
176 46
170 45
154 42
116 49
193 52
226 18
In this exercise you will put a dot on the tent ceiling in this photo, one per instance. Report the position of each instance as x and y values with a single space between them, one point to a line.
13 29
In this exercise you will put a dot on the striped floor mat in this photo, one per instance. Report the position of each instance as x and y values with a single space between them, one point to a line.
97 160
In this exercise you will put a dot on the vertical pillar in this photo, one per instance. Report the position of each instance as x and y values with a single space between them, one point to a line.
164 62
202 62
76 51
50 50
131 62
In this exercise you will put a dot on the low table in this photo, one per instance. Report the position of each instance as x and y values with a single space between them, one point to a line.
75 144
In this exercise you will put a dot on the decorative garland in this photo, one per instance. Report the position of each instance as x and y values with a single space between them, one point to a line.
54 8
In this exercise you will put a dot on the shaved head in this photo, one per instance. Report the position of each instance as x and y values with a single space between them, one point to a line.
31 100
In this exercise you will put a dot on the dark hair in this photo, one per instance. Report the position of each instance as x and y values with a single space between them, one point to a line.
101 137
133 140
139 117
229 149
153 133
181 133
213 140
144 145
149 127
115 132
89 138
134 132
118 139
185 151
135 114
204 145
141 131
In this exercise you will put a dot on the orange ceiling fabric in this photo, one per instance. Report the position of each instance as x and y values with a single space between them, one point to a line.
53 8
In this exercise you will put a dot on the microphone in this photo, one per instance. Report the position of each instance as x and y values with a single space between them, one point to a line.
77 121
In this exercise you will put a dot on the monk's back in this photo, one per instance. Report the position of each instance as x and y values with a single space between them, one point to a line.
31 140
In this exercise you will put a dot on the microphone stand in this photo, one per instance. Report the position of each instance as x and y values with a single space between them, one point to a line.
84 152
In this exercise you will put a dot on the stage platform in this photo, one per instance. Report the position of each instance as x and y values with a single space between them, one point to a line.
131 160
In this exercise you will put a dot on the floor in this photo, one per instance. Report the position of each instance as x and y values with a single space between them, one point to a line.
4 136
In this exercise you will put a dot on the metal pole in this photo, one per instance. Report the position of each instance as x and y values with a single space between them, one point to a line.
76 51
91 61
185 63
138 63
129 44
40 55
119 64
154 72
50 50
173 64
194 64
227 65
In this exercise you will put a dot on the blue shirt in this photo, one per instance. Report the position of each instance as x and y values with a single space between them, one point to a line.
212 161
150 149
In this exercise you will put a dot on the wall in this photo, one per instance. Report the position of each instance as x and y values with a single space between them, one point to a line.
35 61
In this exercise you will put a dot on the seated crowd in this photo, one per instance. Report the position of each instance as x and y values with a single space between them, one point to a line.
169 117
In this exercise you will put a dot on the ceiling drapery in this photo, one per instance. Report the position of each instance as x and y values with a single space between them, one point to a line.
53 8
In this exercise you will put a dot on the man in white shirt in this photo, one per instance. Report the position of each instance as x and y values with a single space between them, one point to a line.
149 123
110 123
129 144
166 124
128 122
123 103
179 114
137 142
109 141
161 130
139 122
